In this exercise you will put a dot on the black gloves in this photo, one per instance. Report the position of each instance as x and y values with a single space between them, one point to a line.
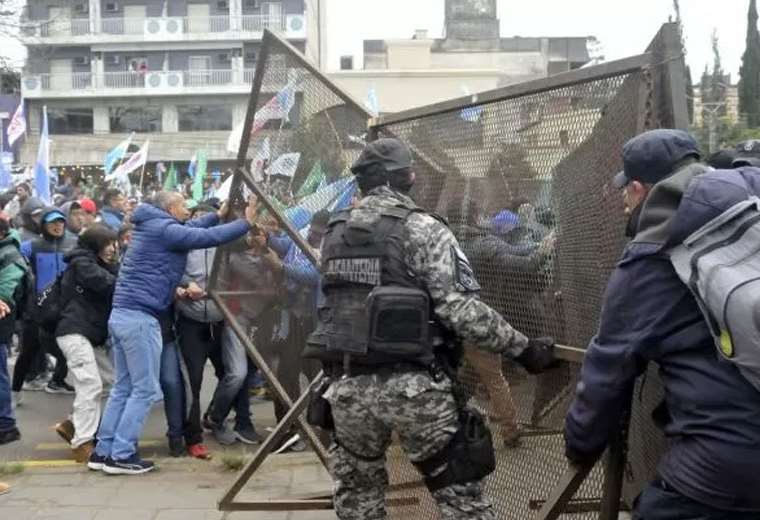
538 356
579 458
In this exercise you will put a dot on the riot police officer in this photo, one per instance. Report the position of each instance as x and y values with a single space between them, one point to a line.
399 294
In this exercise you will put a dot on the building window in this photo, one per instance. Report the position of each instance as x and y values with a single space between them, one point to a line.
135 119
64 121
346 63
196 118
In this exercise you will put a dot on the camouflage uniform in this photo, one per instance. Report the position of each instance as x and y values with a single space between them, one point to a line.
368 408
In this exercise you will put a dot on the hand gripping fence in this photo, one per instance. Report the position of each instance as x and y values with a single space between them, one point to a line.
522 173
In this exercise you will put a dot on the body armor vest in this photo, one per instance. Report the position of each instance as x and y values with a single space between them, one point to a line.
375 310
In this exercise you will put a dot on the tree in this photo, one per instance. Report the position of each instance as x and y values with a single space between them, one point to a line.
749 83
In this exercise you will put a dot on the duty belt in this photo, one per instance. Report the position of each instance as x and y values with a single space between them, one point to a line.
337 370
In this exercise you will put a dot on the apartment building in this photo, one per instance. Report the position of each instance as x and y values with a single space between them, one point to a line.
178 72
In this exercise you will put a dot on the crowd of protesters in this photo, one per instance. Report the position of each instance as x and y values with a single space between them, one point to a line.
130 311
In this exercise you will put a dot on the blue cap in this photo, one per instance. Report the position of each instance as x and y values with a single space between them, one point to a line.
653 155
504 221
52 216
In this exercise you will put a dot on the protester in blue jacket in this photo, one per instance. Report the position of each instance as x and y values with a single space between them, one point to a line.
149 276
114 208
711 414
45 256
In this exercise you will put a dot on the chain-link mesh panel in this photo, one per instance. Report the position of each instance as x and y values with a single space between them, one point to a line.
524 180
524 183
302 138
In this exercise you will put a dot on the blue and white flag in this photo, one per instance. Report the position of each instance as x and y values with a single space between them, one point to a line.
330 197
42 166
6 180
192 166
471 114
117 154
371 103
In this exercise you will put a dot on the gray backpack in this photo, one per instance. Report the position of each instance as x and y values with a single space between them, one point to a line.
720 263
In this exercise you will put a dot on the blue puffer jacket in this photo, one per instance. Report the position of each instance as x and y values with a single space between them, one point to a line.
157 255
45 255
713 413
111 217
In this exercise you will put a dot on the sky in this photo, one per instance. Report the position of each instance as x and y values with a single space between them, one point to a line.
624 27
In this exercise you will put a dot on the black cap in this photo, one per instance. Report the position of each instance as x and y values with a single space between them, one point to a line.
387 152
747 153
722 159
653 155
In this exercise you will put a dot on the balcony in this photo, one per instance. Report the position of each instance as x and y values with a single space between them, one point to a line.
154 83
79 31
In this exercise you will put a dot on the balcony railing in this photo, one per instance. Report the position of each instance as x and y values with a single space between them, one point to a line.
164 80
160 28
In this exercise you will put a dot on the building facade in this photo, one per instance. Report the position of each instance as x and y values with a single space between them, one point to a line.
472 56
177 72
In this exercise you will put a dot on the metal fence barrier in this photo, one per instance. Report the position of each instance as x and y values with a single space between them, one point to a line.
523 174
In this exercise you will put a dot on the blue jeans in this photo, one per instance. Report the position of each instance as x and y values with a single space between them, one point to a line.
234 379
7 419
173 388
659 501
136 339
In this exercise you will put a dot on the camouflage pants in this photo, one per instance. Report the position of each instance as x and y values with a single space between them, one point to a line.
366 410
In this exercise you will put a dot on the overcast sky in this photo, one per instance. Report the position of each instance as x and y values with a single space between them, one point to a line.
624 27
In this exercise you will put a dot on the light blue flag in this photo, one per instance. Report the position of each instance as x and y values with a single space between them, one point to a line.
5 174
371 103
42 166
117 154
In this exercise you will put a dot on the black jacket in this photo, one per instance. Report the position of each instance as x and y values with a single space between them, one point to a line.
87 289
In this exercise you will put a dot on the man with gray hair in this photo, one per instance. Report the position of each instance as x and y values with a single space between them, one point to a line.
149 276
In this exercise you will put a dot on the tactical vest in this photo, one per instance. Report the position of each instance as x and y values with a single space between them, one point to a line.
375 308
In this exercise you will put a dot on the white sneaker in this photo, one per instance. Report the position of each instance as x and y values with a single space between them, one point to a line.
35 385
287 444
17 399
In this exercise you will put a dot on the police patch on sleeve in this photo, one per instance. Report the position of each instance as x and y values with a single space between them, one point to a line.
464 277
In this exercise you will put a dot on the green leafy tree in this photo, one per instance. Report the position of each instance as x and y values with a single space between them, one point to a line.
749 84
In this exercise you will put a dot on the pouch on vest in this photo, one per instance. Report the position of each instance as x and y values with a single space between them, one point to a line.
719 263
399 320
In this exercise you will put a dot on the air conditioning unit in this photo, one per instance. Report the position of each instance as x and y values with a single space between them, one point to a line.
173 79
163 80
82 60
224 57
250 57
113 59
163 28
223 5
175 26
295 26
112 7
82 8
31 86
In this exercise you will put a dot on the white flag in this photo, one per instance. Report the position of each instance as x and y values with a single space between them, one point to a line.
137 160
223 193
233 141
17 124
285 165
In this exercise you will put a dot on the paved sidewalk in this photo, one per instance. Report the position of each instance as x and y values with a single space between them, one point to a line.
182 489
